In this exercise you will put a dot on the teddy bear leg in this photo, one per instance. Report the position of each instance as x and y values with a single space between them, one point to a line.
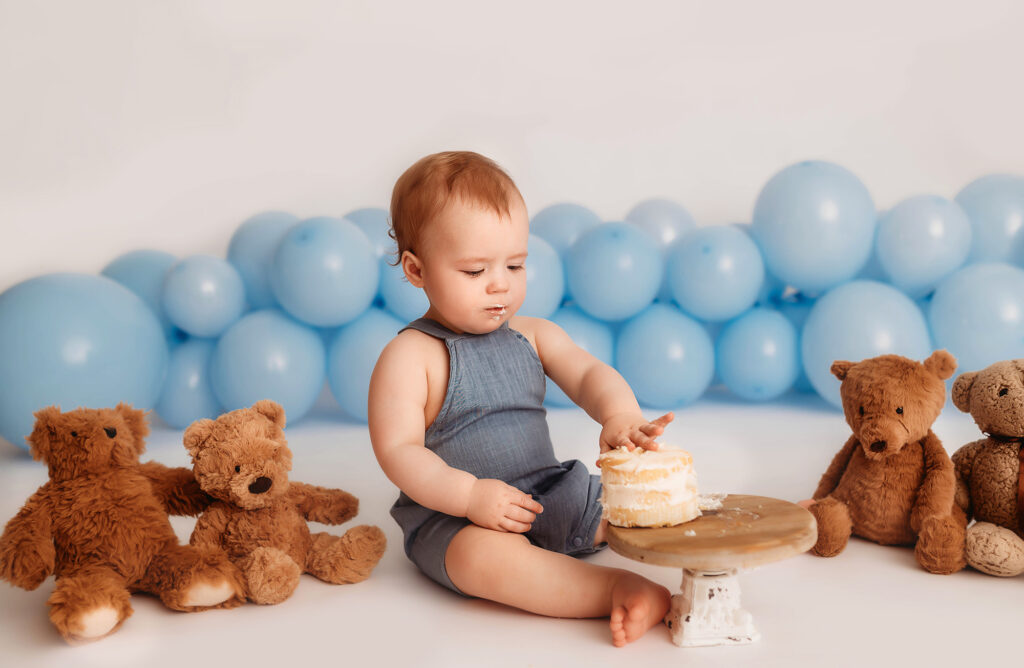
995 550
346 559
189 578
834 526
940 543
89 603
271 575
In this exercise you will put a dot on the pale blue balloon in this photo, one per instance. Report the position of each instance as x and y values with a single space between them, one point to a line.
855 321
268 355
545 279
978 314
796 309
352 355
187 394
815 223
667 222
325 272
400 296
75 340
142 272
561 224
921 241
614 271
772 289
203 295
716 272
594 336
665 356
374 223
995 206
251 250
757 355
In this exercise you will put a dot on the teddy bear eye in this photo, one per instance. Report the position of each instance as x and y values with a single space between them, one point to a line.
899 410
74 434
238 469
862 410
1003 392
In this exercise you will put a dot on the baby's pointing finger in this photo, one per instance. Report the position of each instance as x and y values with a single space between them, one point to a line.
664 419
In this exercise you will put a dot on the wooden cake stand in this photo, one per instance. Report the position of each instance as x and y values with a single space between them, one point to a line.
747 531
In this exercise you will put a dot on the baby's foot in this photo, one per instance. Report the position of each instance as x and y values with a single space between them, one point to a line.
637 605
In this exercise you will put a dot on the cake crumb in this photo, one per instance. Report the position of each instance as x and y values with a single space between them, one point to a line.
710 501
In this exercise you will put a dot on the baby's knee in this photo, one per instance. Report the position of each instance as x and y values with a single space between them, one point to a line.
473 552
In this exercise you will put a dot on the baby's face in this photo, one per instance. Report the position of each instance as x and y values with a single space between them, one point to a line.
473 265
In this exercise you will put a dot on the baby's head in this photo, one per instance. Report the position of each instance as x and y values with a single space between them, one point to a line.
462 233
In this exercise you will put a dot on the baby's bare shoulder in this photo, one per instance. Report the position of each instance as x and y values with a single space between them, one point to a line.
412 351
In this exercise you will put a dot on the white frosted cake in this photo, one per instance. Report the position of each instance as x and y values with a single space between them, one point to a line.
648 488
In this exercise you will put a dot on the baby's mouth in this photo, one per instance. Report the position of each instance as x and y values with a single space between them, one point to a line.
496 310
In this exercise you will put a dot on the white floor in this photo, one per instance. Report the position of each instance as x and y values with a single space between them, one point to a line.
871 605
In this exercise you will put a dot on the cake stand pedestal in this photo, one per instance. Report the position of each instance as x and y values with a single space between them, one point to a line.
746 532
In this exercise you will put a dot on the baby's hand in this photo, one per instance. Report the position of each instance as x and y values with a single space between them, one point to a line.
496 505
630 431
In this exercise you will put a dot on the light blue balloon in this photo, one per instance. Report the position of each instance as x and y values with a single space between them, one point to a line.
374 223
667 222
757 356
921 241
545 279
75 340
716 273
561 224
772 289
665 356
815 223
352 355
142 272
594 336
400 296
251 250
187 395
203 295
995 206
855 321
978 314
796 309
268 355
325 272
614 271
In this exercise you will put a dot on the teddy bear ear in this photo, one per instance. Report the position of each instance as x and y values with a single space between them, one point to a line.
270 409
136 421
43 433
196 435
962 390
941 363
840 368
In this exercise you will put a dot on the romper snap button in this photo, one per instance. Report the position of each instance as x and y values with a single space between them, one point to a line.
577 541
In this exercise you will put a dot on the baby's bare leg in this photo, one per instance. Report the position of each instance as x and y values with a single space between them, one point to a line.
507 568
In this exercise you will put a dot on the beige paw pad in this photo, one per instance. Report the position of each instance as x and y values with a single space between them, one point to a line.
204 594
96 623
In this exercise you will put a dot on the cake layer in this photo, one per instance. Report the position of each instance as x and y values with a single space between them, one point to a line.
648 487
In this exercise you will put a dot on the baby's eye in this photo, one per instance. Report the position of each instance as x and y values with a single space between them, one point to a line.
515 267
473 273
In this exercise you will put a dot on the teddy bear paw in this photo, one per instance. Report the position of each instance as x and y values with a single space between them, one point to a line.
940 545
95 623
995 550
834 526
207 594
271 575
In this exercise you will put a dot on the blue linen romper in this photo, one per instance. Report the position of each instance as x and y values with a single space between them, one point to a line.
492 424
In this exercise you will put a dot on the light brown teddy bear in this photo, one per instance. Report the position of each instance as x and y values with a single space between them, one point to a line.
990 487
259 517
100 525
893 482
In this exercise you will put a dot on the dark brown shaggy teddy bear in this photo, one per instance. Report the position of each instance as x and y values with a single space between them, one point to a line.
259 516
892 482
100 525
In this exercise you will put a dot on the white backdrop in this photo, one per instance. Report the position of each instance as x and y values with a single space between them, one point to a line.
130 125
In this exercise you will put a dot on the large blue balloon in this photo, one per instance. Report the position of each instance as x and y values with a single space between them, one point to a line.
545 279
187 395
142 272
203 295
267 355
995 206
796 309
592 335
715 273
978 314
614 271
855 321
920 241
772 289
665 356
667 222
400 296
756 355
374 223
75 340
561 224
815 223
352 355
251 250
325 271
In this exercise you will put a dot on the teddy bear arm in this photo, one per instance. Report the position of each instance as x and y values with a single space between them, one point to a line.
830 479
176 488
324 505
935 496
27 553
210 527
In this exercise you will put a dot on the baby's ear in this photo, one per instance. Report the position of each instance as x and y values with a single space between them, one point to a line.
271 410
413 268
196 435
136 421
840 368
40 441
962 390
941 363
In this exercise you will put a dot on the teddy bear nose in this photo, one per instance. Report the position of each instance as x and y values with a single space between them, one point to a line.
111 432
260 485
878 446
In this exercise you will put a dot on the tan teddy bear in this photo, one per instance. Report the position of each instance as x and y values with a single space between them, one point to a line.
892 482
990 487
259 516
100 526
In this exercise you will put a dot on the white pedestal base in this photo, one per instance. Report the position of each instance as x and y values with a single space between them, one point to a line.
708 612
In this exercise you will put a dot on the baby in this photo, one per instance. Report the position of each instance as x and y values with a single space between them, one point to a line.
456 416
